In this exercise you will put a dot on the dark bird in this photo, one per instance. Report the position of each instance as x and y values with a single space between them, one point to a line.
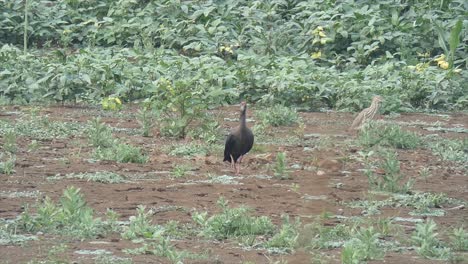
239 141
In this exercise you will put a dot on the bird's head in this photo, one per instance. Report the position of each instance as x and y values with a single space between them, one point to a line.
243 106
377 99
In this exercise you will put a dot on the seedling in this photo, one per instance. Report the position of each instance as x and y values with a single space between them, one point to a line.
280 166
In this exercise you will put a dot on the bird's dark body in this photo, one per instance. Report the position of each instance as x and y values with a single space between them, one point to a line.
238 143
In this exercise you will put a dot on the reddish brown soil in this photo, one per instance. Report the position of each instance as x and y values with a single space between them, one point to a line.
268 197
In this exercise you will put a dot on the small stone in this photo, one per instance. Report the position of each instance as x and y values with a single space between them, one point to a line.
320 173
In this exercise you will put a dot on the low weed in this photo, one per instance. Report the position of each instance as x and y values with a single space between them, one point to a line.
459 239
98 176
71 216
419 201
179 171
392 180
425 238
121 152
388 135
162 247
278 115
111 259
363 246
208 131
140 226
317 235
233 222
188 150
9 142
41 127
450 149
9 235
33 146
285 240
7 164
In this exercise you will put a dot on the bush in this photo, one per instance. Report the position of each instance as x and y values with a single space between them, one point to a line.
278 115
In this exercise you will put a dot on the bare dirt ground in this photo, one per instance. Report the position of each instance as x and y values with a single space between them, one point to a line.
324 145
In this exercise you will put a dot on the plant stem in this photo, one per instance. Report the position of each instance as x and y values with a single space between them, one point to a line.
25 35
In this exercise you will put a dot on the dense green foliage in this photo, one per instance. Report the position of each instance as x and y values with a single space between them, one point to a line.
310 53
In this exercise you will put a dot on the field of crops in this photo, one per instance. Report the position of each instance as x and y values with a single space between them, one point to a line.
114 114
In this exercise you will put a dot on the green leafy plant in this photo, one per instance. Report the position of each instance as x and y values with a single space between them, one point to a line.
364 246
111 103
425 238
285 239
121 152
71 216
7 165
9 144
233 222
278 115
459 239
188 150
450 149
388 135
179 171
140 225
392 180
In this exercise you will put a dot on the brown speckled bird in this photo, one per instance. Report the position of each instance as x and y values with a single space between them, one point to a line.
239 141
367 114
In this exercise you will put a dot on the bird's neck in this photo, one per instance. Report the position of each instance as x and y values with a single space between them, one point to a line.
242 120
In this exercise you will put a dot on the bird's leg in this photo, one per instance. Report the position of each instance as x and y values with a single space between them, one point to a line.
233 162
239 164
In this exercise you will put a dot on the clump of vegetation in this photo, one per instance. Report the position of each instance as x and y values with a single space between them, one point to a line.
278 115
286 238
9 142
111 103
421 203
41 127
140 225
7 163
110 259
209 131
179 171
388 135
450 149
179 101
459 239
10 236
319 236
71 216
99 134
233 222
188 150
98 176
364 246
121 152
109 148
392 180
